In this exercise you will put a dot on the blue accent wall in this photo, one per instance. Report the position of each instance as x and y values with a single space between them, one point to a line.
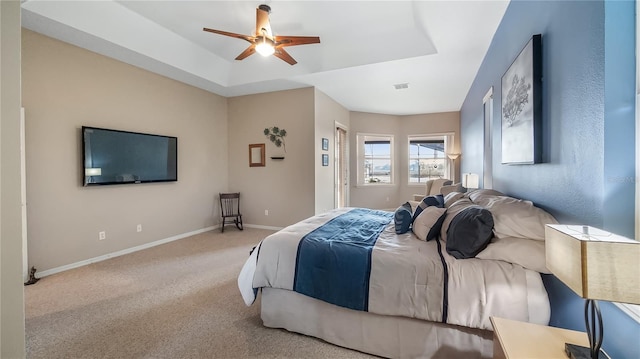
588 96
619 124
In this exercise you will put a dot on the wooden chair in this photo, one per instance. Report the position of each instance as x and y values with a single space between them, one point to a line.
230 209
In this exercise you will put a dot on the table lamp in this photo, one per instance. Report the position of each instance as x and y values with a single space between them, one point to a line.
596 265
470 180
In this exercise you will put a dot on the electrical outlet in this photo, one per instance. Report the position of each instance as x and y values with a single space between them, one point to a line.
102 235
139 228
266 212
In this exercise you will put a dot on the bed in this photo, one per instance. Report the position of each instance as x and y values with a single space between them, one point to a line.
348 277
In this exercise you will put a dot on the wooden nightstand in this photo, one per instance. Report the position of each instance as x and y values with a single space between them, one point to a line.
516 340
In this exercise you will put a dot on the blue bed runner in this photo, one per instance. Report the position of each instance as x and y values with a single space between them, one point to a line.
334 260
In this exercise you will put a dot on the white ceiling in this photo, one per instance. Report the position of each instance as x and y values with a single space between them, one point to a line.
366 46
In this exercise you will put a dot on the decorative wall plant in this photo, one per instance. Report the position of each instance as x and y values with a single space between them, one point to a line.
276 135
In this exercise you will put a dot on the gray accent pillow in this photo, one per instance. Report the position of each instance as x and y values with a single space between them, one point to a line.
452 211
469 232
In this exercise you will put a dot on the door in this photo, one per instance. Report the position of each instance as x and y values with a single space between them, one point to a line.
341 166
23 199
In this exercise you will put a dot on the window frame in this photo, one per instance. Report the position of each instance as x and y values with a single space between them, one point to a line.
361 138
449 138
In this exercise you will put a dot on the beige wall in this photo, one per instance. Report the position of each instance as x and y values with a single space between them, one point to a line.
391 196
327 113
283 187
381 196
64 88
12 343
424 125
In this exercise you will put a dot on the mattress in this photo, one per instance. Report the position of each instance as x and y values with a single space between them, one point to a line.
382 335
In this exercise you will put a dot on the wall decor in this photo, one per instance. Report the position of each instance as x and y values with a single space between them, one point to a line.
325 144
256 155
276 135
522 106
325 159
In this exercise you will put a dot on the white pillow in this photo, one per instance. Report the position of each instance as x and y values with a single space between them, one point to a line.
445 190
527 253
451 198
516 217
426 220
478 196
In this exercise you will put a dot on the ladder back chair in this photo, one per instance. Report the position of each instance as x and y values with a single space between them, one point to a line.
230 209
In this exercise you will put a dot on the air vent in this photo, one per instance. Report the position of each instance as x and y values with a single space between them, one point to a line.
401 86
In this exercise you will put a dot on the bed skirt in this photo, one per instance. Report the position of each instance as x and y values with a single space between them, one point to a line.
386 336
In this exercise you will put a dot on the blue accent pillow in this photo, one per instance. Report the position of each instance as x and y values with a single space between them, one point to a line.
437 200
402 218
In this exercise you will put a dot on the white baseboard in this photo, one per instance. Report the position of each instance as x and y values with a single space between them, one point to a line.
63 268
258 226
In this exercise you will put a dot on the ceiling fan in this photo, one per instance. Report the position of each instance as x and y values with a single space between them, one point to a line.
264 42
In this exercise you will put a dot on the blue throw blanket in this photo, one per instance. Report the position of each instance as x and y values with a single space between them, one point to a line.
334 260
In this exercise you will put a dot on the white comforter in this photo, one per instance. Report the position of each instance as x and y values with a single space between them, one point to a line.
406 279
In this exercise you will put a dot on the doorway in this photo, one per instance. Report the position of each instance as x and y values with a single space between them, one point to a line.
341 166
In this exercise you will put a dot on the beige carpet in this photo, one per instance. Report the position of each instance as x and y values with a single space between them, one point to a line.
177 300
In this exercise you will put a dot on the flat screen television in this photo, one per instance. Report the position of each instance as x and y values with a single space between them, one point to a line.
121 157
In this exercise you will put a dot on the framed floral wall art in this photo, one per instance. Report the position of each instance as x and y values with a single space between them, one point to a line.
522 106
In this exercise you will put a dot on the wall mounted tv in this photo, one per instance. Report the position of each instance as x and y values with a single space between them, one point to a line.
121 157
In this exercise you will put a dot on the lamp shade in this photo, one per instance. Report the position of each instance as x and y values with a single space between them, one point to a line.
595 264
470 180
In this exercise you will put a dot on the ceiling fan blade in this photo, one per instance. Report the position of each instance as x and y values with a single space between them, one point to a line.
248 52
251 39
283 55
282 41
262 22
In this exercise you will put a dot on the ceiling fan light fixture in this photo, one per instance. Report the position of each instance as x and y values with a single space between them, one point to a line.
263 42
265 49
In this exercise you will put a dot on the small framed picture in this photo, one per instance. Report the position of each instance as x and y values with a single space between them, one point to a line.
325 160
256 155
325 144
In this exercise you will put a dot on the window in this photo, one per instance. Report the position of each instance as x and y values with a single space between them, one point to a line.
375 159
428 158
